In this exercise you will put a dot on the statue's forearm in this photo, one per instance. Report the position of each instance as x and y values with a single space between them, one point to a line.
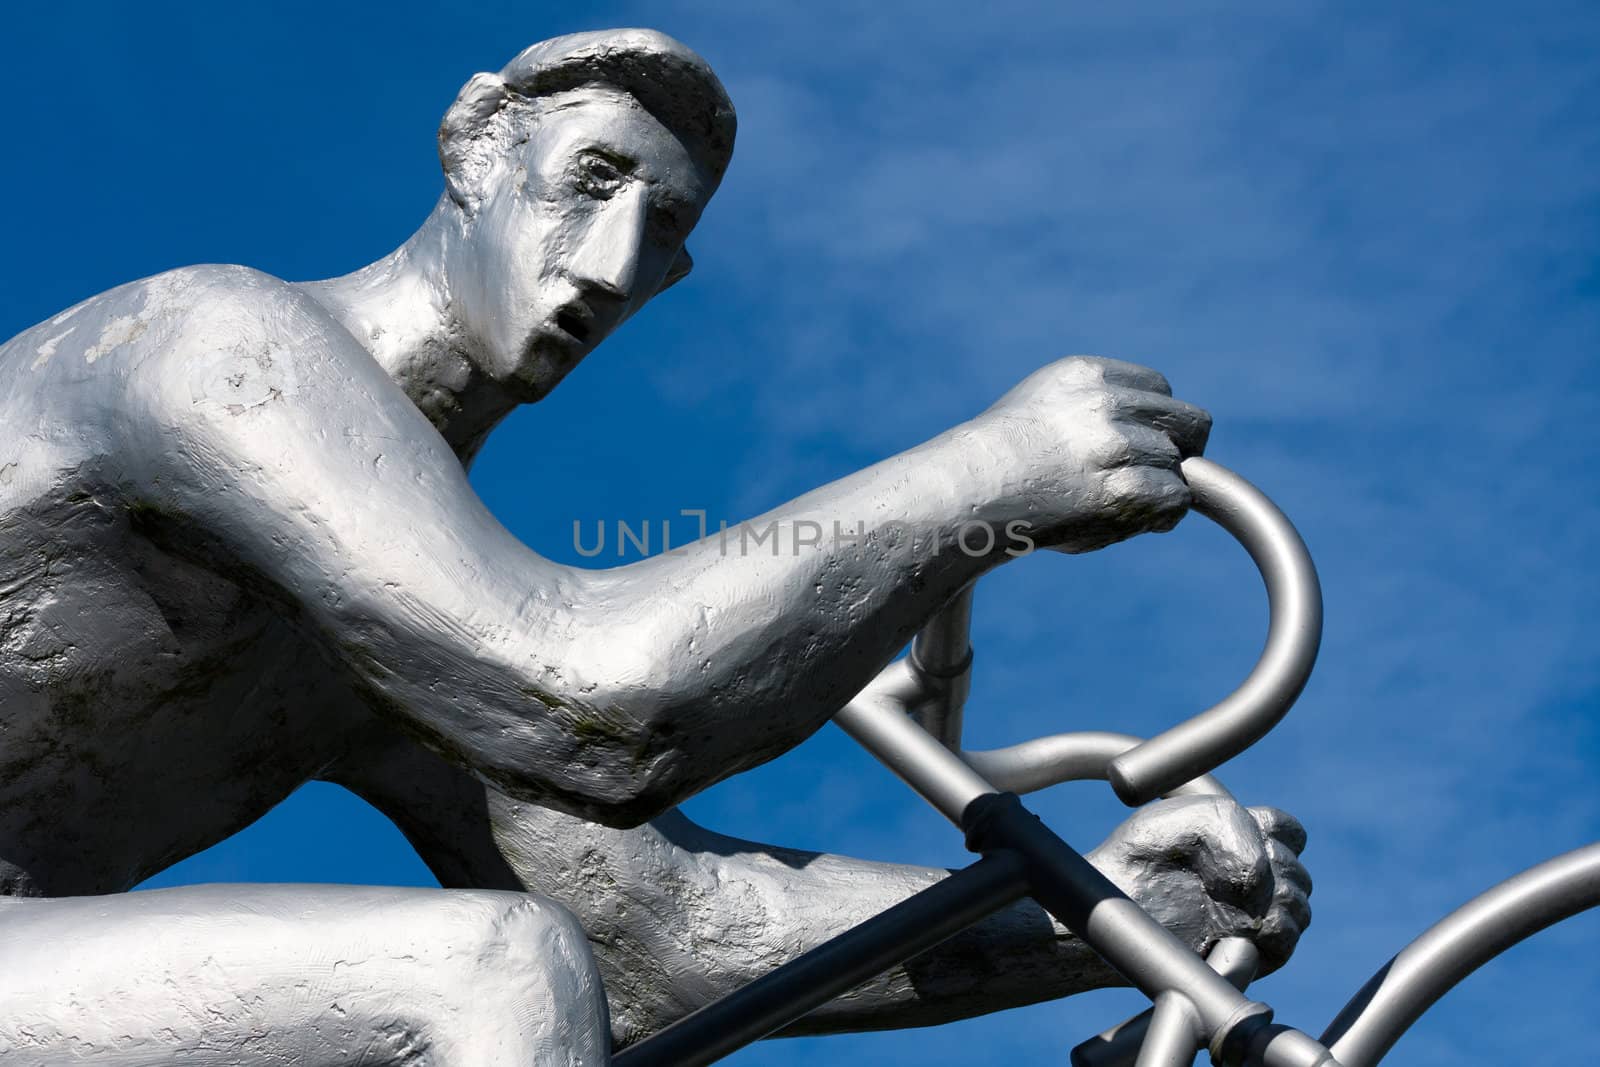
713 659
680 916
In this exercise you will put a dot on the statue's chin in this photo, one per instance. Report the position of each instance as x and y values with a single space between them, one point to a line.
542 367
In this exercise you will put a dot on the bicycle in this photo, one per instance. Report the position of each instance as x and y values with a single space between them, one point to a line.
910 719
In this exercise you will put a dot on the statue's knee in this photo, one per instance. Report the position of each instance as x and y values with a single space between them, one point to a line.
521 981
492 930
541 939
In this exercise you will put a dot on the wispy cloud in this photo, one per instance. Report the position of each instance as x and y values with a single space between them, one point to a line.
1362 234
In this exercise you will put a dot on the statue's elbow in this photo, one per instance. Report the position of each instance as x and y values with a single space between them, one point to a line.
621 798
619 769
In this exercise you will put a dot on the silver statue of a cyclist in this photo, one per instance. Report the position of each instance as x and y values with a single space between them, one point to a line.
238 551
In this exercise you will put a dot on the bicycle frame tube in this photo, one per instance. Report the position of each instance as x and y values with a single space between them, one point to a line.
1061 880
1233 957
1457 945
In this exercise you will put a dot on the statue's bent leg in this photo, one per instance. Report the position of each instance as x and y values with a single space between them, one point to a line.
316 975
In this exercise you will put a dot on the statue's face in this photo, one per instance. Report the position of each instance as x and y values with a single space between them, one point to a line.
576 230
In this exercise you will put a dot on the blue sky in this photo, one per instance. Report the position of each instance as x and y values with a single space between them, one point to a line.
1363 235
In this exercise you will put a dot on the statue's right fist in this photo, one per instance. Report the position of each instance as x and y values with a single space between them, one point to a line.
1206 868
1097 444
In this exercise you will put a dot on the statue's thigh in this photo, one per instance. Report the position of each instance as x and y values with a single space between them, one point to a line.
309 975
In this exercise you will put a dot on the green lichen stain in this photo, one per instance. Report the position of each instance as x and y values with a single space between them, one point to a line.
595 731
609 728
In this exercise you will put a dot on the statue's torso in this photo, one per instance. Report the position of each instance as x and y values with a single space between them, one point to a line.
151 702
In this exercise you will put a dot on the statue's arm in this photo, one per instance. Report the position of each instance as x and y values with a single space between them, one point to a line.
616 692
679 915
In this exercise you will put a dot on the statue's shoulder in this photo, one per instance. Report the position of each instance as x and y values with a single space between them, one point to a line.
225 303
142 346
167 315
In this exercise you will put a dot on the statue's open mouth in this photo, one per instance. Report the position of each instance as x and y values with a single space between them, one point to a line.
574 323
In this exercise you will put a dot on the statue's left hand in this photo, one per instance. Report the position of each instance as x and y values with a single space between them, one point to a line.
1207 868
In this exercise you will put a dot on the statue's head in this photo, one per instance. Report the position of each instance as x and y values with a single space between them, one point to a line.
574 176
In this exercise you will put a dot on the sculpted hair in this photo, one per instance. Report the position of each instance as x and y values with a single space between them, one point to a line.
668 80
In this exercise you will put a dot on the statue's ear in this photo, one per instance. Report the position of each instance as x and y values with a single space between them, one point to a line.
464 148
682 264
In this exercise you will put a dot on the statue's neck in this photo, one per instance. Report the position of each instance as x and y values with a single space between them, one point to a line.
399 309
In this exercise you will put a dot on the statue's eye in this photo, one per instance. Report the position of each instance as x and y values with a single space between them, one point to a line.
597 176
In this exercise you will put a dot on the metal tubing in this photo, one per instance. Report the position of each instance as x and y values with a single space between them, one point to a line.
1173 1036
1456 946
880 725
1062 881
1233 957
780 997
1198 745
944 646
1070 888
1284 1046
941 657
1237 959
1071 757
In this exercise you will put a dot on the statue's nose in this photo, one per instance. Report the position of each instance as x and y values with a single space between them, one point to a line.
607 258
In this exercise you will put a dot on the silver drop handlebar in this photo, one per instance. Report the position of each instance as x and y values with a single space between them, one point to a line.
933 680
930 686
1294 634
